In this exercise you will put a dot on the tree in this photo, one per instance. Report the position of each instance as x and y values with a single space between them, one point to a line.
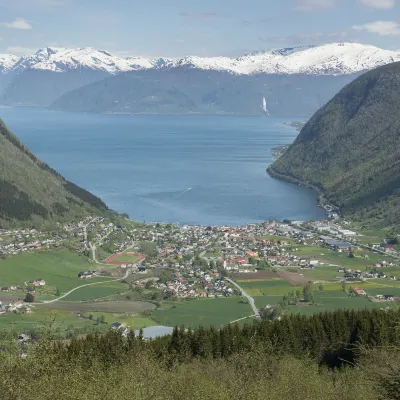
321 288
29 298
253 260
165 276
30 287
308 294
57 292
148 284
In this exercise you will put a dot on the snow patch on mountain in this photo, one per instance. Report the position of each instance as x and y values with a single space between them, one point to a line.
7 62
329 59
63 59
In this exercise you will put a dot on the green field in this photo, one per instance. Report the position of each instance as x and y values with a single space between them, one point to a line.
203 312
117 306
321 273
41 318
59 268
329 256
262 301
267 287
332 300
133 322
97 291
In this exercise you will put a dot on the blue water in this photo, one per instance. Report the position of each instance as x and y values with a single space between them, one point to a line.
144 165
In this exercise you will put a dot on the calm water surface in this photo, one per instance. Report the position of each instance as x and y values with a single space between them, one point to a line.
187 169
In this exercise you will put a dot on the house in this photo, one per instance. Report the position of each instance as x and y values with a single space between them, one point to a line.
117 326
360 292
23 338
2 311
388 297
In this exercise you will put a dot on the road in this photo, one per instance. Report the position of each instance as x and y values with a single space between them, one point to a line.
93 246
248 297
79 287
85 229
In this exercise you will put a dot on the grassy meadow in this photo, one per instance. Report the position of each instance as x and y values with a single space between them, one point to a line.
97 291
205 312
59 268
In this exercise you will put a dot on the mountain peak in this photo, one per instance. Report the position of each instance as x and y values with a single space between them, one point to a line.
7 62
328 59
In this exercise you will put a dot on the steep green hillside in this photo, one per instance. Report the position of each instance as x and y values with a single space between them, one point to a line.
31 189
350 149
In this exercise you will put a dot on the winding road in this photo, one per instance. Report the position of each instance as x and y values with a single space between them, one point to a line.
79 287
248 297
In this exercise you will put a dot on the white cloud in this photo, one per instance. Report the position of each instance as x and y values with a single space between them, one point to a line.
308 5
21 50
382 28
379 3
19 23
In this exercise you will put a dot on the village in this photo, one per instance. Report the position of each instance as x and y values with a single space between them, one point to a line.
183 262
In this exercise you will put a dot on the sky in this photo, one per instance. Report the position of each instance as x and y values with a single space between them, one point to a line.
177 28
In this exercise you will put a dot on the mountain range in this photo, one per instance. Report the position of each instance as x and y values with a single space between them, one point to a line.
350 149
292 79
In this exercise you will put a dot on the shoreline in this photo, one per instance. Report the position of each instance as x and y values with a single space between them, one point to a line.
321 199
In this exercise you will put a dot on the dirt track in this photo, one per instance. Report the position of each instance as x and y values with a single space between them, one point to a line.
293 278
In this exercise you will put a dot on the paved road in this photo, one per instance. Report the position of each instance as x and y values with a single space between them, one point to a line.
251 300
79 287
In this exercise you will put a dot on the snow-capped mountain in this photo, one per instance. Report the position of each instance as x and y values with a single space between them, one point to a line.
7 62
314 73
62 60
330 59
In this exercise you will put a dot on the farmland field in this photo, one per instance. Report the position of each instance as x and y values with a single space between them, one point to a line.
329 256
270 287
203 312
262 301
101 306
257 276
133 322
97 291
41 318
321 273
59 268
333 300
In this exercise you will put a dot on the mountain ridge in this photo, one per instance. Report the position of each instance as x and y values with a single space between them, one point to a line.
349 149
329 59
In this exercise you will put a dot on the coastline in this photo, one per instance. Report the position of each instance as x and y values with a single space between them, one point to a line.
321 199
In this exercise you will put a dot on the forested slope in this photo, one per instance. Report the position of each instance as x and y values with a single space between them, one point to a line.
350 149
30 189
